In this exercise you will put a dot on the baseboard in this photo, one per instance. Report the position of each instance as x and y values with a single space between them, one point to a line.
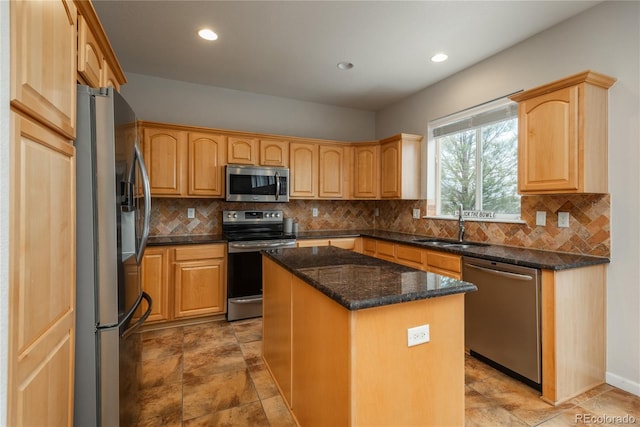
623 383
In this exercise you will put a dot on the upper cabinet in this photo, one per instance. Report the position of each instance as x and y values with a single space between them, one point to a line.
242 150
562 136
366 171
332 170
303 171
165 154
43 62
182 163
400 167
97 64
274 152
205 166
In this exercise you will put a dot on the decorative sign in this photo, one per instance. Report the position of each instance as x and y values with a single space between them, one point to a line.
478 214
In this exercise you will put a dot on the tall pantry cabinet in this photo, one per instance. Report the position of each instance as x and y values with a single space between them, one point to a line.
43 76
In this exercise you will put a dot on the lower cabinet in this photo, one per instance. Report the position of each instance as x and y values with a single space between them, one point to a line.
443 263
185 281
350 243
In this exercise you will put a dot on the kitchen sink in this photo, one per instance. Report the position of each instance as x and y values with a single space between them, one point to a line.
448 243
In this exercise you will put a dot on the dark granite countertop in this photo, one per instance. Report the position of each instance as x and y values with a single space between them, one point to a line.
536 258
358 281
186 239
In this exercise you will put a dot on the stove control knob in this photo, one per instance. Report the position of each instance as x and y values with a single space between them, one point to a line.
235 215
228 215
277 214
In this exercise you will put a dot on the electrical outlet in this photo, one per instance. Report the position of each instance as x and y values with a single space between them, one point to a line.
563 219
541 218
376 212
416 214
417 335
191 213
314 212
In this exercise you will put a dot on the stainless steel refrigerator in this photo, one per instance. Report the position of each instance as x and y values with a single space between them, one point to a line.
113 208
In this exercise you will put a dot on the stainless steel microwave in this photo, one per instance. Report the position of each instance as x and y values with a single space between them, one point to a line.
257 184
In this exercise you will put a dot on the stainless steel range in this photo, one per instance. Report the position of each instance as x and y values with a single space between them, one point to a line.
249 232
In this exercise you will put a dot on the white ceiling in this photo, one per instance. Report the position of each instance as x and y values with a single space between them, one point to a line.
291 48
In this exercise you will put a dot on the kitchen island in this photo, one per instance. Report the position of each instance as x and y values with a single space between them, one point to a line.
335 339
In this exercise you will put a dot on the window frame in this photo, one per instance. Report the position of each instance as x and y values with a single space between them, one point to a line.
433 149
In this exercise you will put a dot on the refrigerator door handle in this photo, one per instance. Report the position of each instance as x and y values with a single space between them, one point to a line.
141 320
147 203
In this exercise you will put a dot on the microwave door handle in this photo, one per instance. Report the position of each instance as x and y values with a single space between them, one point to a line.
277 185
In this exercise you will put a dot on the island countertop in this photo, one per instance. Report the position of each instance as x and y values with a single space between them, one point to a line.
358 281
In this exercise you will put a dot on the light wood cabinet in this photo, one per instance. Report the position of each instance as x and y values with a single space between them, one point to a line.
573 332
165 154
400 167
303 171
274 152
185 281
242 150
332 169
43 62
42 296
366 171
155 282
181 163
205 164
562 136
444 263
97 63
349 243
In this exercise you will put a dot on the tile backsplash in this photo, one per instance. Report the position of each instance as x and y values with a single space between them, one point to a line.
588 231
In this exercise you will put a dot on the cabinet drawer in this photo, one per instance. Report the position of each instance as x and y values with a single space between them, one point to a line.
444 261
385 250
410 256
189 253
305 243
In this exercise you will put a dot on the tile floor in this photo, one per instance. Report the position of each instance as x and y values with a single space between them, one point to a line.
212 374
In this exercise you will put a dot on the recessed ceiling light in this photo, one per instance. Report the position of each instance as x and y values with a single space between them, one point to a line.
345 65
439 57
207 34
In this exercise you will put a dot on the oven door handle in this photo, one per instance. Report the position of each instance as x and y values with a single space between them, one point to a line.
260 246
246 300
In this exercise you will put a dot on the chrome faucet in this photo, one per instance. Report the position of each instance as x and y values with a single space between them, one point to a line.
460 223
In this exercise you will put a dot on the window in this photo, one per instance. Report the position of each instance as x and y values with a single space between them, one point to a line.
473 157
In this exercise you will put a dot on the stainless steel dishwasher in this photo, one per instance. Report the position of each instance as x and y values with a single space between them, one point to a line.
502 319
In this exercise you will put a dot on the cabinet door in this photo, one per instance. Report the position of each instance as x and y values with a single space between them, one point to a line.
165 155
242 151
331 178
303 170
365 172
155 282
43 61
90 59
109 77
390 178
548 157
274 152
199 287
206 164
42 274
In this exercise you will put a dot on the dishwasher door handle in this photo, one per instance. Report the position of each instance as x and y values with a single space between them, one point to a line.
516 276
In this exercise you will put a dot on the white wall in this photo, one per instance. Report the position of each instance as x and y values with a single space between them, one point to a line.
606 39
171 101
4 205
